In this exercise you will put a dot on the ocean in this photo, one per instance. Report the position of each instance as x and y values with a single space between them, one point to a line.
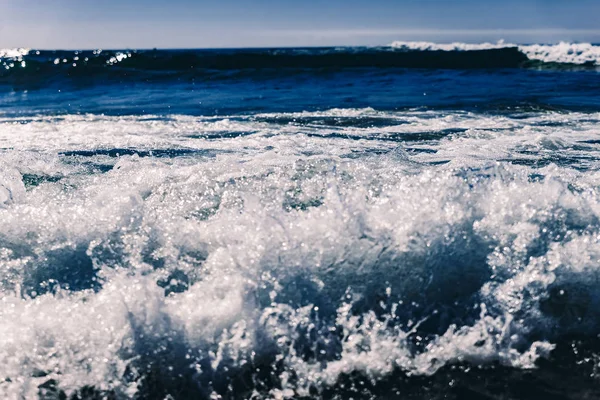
412 221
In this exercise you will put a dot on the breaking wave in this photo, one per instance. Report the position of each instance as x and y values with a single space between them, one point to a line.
340 253
565 53
562 53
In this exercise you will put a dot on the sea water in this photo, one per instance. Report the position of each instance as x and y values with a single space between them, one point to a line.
417 221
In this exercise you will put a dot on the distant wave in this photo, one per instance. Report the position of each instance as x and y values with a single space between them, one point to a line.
30 67
456 46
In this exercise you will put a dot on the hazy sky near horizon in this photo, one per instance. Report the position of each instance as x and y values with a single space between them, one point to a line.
79 24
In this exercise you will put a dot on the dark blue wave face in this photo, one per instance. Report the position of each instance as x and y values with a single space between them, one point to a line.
208 82
386 90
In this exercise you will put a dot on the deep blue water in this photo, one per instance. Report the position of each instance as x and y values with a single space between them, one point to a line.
191 82
417 221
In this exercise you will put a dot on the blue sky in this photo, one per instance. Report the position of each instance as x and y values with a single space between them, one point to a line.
79 24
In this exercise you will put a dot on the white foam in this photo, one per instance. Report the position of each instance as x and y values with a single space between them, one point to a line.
11 58
281 222
15 53
563 52
11 186
456 46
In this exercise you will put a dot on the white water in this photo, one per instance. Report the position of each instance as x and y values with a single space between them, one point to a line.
563 52
361 236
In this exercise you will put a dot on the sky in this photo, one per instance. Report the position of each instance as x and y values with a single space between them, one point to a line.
123 24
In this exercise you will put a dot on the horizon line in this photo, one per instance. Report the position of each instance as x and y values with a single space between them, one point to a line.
430 35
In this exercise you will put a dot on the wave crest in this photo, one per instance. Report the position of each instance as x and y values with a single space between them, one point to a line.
456 46
563 52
